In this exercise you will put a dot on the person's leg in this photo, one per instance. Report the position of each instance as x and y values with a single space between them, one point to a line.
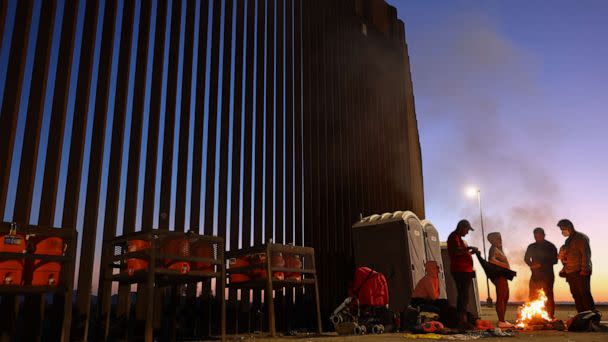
458 281
502 296
497 304
506 295
588 302
548 288
460 304
462 288
534 287
466 294
574 282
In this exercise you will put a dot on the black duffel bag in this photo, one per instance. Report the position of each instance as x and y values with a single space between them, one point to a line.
585 321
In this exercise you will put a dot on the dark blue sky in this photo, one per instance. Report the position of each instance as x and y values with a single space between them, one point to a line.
511 97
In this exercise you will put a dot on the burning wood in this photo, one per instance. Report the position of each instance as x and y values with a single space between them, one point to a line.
534 316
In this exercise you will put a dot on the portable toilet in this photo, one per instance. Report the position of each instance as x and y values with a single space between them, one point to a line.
393 246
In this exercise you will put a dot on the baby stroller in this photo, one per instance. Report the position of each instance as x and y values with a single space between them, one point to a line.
366 308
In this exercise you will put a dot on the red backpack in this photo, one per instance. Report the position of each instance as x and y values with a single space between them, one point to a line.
370 287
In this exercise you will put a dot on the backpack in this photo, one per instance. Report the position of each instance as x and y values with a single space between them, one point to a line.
584 321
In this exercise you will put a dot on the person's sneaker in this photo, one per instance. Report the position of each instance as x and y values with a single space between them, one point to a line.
505 325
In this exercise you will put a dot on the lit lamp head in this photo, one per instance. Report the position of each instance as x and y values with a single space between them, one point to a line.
472 191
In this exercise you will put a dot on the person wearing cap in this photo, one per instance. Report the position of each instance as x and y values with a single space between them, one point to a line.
575 255
461 267
540 257
497 257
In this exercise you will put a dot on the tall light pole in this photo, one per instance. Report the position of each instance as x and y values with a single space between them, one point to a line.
471 192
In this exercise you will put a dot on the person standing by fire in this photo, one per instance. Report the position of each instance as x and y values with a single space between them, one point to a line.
540 257
461 267
575 255
497 257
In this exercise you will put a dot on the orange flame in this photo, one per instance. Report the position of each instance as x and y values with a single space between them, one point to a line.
534 310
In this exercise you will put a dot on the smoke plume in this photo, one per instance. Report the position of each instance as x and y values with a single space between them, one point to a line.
480 124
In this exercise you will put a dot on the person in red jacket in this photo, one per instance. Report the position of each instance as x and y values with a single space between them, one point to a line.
461 267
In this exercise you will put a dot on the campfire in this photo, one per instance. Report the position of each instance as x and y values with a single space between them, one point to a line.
534 316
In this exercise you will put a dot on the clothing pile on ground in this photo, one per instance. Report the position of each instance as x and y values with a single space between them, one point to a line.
474 335
437 320
431 317
366 310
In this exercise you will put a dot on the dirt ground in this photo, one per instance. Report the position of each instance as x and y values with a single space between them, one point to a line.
562 312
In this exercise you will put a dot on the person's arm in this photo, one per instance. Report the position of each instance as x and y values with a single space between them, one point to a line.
585 257
499 263
457 248
553 254
562 254
499 255
528 257
491 256
496 259
502 257
534 265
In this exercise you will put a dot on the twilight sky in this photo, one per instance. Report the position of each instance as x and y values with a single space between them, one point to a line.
511 97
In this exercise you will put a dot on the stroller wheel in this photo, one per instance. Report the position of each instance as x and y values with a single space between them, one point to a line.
363 329
336 319
378 329
358 330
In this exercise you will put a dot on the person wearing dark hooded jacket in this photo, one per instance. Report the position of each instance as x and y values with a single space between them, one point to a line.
575 255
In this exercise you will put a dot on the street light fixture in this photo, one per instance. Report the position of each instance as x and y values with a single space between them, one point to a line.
472 192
